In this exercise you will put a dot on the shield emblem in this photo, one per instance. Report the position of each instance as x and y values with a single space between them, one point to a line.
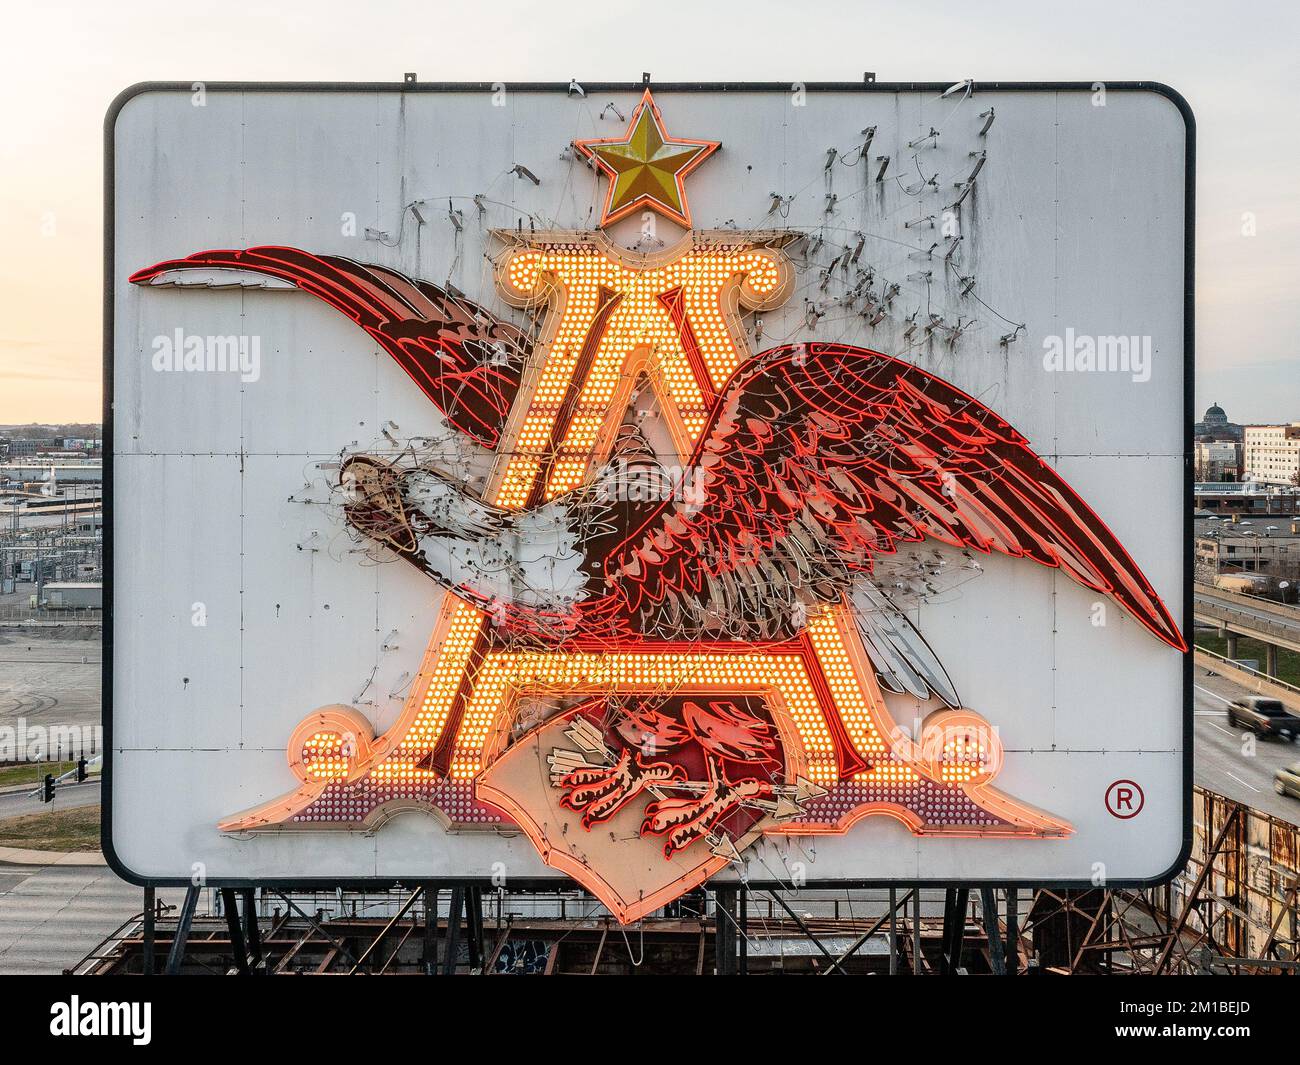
628 866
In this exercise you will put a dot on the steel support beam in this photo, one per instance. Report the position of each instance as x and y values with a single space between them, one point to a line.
177 953
150 926
1013 931
742 926
802 927
1212 852
237 945
989 908
454 912
429 962
474 924
374 943
724 931
893 931
876 926
918 958
956 902
252 933
316 927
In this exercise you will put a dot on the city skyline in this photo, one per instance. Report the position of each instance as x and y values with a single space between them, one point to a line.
1199 411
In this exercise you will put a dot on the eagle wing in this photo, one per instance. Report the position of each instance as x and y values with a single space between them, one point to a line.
819 459
465 360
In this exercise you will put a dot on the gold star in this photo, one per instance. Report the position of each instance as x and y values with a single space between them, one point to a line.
647 168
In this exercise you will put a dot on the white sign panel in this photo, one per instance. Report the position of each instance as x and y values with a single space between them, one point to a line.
656 485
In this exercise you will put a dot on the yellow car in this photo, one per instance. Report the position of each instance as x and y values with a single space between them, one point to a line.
1287 781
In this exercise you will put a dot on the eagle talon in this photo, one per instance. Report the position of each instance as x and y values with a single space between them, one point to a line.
686 820
599 793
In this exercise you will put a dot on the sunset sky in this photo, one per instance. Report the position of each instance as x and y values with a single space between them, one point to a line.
66 62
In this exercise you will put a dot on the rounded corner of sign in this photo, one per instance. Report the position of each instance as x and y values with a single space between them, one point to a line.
1159 88
115 862
119 102
1171 870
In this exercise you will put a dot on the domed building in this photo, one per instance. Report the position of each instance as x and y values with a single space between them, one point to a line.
1214 425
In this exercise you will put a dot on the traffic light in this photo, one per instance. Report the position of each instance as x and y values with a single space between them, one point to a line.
47 791
81 769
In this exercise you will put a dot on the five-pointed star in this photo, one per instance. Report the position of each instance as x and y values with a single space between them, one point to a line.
647 168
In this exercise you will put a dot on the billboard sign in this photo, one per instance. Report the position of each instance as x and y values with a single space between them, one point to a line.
777 483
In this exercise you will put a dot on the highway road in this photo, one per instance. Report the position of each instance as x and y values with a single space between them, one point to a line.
1226 763
67 796
1242 617
52 916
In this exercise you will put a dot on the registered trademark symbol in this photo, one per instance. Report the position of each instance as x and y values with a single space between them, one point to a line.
1124 799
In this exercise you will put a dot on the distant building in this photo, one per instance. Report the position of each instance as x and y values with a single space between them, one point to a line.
37 472
69 595
1271 454
81 444
1218 460
1214 425
1248 499
1270 549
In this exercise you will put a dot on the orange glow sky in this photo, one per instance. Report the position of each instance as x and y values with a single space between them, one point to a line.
67 60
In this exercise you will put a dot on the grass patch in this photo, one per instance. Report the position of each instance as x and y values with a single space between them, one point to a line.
60 830
1288 662
32 772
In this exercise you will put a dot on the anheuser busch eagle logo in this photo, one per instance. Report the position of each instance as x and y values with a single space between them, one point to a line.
647 667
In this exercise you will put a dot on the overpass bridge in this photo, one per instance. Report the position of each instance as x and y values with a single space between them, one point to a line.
1273 624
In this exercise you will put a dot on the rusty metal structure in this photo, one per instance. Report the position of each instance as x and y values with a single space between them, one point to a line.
1234 909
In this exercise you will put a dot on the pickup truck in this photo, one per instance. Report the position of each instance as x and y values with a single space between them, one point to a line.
1287 781
1263 716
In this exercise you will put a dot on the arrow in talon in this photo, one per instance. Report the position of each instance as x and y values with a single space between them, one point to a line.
723 847
564 762
805 790
786 807
588 737
782 806
802 791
